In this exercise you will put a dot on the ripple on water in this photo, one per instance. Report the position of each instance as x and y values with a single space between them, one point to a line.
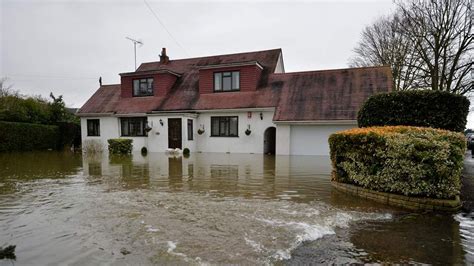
199 227
466 230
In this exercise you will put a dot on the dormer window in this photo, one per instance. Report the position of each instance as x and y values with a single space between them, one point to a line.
143 87
226 81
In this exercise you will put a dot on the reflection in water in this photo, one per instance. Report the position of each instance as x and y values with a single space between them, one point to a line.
207 208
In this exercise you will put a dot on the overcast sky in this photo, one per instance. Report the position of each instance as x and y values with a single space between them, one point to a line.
64 46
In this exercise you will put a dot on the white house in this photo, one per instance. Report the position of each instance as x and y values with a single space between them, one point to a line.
237 103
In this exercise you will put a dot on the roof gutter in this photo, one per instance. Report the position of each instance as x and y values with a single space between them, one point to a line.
94 114
318 122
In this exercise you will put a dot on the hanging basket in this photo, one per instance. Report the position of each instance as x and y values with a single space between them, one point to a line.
248 132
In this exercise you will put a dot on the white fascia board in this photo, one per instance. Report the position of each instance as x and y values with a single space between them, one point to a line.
263 109
318 122
94 114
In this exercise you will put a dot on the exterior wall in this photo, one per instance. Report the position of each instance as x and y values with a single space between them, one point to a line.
162 83
109 129
158 136
290 139
242 144
283 139
249 78
313 139
280 67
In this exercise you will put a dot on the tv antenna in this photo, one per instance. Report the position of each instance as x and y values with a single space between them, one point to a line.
135 48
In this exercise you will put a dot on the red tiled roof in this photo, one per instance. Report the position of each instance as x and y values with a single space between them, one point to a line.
104 100
328 94
300 96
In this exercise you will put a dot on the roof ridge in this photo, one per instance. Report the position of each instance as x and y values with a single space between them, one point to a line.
207 56
329 70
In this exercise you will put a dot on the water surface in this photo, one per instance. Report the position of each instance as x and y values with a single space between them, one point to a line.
207 208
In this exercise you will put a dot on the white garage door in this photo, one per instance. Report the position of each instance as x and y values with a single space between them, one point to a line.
313 139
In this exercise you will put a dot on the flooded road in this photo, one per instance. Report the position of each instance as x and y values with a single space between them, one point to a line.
62 208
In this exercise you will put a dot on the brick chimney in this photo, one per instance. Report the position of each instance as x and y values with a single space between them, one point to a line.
164 59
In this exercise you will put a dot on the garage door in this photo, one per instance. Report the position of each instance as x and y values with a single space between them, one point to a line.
313 139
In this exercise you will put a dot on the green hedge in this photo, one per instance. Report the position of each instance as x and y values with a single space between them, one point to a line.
25 137
120 146
424 108
412 161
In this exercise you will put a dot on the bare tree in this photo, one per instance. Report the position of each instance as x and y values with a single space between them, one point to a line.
441 34
6 90
383 43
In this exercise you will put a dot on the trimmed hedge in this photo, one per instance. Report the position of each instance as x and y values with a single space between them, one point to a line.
411 161
120 146
426 108
69 135
16 136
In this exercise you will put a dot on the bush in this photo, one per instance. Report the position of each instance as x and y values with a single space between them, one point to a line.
69 135
26 137
92 146
144 150
120 146
412 161
186 151
425 108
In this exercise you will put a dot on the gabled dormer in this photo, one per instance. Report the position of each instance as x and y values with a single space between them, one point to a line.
151 83
232 77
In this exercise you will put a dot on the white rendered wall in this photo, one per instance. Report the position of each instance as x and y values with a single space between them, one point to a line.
282 140
290 140
158 136
312 139
241 144
109 129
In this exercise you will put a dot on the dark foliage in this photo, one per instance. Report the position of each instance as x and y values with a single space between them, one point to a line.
120 146
26 137
425 108
412 161
69 135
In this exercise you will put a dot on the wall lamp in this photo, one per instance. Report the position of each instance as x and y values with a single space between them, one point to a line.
161 122
261 116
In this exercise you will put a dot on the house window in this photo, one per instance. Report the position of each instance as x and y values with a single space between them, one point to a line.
133 126
225 126
93 127
190 129
143 87
227 81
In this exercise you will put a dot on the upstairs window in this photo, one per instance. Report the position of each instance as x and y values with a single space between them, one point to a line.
227 81
93 127
143 87
133 126
224 126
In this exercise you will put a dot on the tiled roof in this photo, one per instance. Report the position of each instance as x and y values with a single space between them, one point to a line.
328 94
299 96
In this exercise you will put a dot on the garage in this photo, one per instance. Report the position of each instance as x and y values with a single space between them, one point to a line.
313 139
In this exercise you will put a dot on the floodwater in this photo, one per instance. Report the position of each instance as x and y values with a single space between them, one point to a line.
63 208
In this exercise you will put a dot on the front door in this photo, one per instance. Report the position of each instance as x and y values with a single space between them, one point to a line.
174 133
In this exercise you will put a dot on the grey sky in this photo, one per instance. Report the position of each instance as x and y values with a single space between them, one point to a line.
64 46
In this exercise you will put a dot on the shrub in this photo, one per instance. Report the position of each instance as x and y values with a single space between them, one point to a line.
186 151
69 135
144 150
26 137
120 146
424 108
412 161
92 146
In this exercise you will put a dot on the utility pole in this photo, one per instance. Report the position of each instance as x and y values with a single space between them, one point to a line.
135 48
